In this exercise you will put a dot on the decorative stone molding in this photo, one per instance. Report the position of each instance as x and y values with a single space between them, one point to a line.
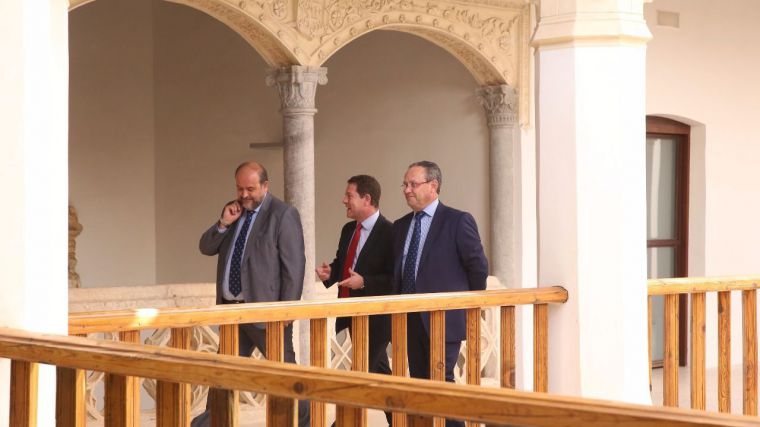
490 37
297 86
75 229
500 103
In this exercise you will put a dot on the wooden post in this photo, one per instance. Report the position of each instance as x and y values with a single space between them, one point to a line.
438 352
69 397
540 348
649 339
473 350
122 400
349 416
280 410
399 361
724 351
23 399
508 347
318 356
749 322
670 364
698 393
223 404
173 399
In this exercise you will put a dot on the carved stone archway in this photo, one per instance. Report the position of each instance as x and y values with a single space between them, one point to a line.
490 37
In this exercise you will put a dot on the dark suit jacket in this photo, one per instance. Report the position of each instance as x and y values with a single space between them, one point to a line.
451 260
375 264
274 260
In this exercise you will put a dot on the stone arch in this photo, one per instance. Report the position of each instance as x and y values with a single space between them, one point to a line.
266 42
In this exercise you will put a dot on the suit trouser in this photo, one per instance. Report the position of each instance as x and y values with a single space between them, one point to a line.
250 337
378 356
418 350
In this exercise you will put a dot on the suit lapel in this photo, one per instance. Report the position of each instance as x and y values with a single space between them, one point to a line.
262 218
432 235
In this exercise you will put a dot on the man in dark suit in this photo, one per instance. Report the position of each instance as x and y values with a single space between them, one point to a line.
363 265
436 249
261 258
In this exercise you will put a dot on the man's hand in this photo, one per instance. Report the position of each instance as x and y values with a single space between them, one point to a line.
230 213
323 271
354 281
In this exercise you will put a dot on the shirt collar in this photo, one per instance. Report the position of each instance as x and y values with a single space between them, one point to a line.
262 202
431 208
370 221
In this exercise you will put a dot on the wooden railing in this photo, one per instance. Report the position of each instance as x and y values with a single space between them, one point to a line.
224 403
420 399
697 288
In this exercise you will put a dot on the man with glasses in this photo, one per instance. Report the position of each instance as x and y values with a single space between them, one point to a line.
436 249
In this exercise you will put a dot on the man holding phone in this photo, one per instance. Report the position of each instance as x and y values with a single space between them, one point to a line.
261 258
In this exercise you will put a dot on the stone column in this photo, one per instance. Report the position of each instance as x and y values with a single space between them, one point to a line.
592 218
297 86
34 179
500 104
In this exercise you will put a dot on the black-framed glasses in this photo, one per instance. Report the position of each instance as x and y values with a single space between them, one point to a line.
413 184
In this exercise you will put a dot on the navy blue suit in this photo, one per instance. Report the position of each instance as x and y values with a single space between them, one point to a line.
452 259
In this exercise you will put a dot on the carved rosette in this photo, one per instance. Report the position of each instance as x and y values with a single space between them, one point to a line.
297 86
75 228
500 103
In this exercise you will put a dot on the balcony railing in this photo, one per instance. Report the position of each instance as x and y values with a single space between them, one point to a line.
224 403
418 399
697 289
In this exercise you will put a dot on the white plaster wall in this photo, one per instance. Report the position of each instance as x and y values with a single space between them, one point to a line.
705 74
112 165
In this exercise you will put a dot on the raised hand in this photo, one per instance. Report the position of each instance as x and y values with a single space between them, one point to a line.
323 271
230 213
354 281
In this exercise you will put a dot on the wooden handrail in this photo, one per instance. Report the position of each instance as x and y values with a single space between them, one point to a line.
413 396
689 285
128 320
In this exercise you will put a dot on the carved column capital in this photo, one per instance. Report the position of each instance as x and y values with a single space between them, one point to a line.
500 103
297 86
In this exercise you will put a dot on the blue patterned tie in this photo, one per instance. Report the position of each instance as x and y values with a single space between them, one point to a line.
237 254
408 276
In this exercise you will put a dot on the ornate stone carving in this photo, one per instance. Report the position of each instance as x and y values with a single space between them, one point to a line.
75 229
500 103
297 86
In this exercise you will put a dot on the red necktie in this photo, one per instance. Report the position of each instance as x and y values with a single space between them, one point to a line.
350 255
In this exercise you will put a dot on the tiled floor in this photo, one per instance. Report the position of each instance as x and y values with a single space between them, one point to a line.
684 389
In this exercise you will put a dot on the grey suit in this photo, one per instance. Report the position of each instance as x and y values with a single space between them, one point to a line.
272 269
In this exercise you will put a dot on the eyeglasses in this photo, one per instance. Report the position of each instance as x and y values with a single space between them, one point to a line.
413 185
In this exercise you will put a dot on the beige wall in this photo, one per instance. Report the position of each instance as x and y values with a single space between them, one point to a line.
112 165
705 73
391 99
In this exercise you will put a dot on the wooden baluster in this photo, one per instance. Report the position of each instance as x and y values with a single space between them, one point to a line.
473 351
670 364
70 388
23 399
318 357
173 399
224 404
540 348
508 347
122 400
749 332
348 416
281 411
438 353
698 393
399 361
724 351
649 339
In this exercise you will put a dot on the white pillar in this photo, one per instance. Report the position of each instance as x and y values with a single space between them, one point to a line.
591 130
297 86
34 178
